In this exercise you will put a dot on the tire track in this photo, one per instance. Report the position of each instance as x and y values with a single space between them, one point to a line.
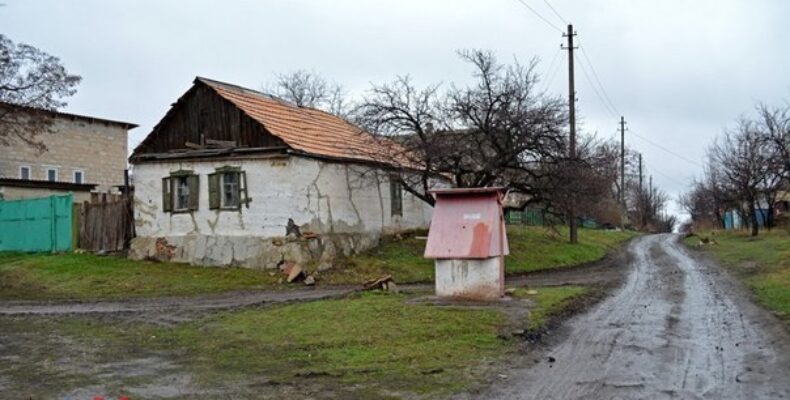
674 330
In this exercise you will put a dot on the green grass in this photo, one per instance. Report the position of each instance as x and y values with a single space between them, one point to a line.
548 301
762 262
370 344
531 249
368 340
83 276
535 249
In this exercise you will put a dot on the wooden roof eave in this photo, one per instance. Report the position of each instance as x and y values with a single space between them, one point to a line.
200 154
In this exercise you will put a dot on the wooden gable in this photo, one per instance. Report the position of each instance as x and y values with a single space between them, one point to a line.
201 115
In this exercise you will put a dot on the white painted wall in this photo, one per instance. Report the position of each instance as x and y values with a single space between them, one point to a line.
470 279
320 197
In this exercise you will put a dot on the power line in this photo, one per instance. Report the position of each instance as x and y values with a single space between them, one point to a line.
551 71
667 176
564 21
611 111
667 150
537 14
597 79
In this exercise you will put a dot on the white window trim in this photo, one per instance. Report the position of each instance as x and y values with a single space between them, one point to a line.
74 175
51 168
29 172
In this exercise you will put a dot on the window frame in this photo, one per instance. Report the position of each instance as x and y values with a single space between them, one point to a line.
170 183
74 176
177 197
216 183
223 188
29 172
57 173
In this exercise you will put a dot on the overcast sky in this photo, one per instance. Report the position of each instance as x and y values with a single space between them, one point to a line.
679 71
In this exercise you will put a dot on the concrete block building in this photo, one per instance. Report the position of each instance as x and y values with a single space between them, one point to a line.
81 154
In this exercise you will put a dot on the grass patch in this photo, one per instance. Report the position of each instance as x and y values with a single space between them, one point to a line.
548 301
535 249
762 262
400 257
531 249
82 276
369 345
367 341
86 276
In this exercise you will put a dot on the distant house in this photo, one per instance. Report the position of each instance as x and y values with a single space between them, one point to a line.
83 155
232 176
736 219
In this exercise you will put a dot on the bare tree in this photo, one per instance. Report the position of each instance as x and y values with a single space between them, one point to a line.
649 209
32 85
497 131
774 123
743 158
308 89
702 204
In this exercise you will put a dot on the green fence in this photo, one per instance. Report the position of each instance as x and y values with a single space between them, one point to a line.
538 217
530 216
36 224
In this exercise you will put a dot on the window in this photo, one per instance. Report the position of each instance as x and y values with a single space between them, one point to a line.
79 176
230 190
24 172
227 189
52 174
180 192
396 198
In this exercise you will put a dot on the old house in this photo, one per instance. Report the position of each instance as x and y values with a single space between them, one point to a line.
80 154
232 176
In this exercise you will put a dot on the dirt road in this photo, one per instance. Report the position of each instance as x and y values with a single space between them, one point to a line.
677 328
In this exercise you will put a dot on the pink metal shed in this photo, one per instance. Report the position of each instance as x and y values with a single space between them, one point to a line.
467 224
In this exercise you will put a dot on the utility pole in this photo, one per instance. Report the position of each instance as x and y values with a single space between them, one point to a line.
622 172
574 238
640 172
641 197
650 196
650 189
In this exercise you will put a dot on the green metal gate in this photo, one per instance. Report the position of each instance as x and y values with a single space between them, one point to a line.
31 225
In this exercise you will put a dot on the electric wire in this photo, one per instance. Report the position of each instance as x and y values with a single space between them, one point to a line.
611 111
598 88
554 73
537 14
556 13
666 176
597 78
668 151
550 69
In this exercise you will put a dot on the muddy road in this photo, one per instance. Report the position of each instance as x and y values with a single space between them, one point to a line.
677 328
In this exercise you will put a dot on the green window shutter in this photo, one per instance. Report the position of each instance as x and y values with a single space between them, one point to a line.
167 196
213 191
243 197
193 181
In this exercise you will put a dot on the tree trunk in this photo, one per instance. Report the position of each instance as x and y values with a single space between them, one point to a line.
753 218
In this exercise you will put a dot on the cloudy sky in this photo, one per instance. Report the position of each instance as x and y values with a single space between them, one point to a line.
679 71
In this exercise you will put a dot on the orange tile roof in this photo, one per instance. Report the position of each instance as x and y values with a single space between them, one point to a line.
305 129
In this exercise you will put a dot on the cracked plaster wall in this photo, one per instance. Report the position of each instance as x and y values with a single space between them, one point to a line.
347 205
